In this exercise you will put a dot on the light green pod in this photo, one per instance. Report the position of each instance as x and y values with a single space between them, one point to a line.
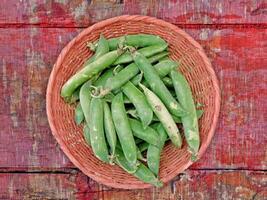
189 121
146 51
123 129
149 134
163 68
156 84
138 99
123 163
158 57
136 40
97 135
110 130
164 116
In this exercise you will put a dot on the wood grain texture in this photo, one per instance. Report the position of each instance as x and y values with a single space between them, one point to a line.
81 13
238 56
192 184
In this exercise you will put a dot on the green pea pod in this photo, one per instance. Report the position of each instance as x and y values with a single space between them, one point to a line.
117 69
123 129
110 129
137 40
88 72
189 121
120 79
79 116
145 175
123 163
132 113
167 81
149 134
141 171
144 112
110 96
86 134
143 146
153 152
156 84
96 128
164 116
158 57
146 51
85 98
102 48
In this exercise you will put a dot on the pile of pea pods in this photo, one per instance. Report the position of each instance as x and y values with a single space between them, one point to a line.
129 97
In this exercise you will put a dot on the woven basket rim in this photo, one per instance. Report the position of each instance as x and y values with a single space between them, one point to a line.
87 31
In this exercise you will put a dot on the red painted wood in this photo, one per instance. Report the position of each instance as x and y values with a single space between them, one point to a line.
238 56
79 13
190 185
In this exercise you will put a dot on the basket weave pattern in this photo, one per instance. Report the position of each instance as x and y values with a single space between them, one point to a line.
194 65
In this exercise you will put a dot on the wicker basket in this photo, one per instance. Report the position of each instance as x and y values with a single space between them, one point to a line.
194 65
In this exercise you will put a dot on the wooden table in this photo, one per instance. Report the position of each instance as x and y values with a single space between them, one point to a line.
234 36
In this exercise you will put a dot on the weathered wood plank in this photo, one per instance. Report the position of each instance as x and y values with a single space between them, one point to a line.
238 55
192 184
78 13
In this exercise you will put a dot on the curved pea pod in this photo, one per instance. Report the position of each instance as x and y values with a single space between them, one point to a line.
78 115
145 175
123 163
164 116
96 128
137 79
144 111
153 152
156 84
102 48
85 98
121 78
140 171
123 129
88 72
86 134
146 51
110 129
149 134
189 121
137 40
